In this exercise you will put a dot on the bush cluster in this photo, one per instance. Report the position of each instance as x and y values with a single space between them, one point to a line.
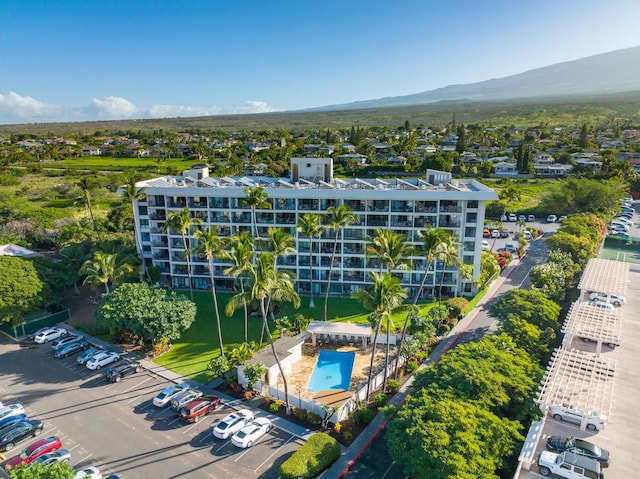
319 452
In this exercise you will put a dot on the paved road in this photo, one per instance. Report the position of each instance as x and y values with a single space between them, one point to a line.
375 461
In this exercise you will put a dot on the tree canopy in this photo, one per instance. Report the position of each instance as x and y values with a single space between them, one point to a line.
530 305
36 470
148 312
20 288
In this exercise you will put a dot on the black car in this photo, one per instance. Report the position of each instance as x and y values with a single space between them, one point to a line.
18 432
73 347
579 446
124 369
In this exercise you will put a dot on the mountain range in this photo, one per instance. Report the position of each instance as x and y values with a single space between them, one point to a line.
603 74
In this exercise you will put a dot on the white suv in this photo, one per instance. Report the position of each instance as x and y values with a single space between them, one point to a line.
615 299
564 412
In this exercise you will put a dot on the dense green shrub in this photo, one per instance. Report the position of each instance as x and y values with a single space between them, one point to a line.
457 306
393 386
412 366
363 416
318 453
380 399
314 418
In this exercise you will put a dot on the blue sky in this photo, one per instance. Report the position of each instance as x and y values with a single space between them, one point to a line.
74 60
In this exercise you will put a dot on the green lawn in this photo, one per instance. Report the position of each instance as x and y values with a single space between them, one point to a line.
191 354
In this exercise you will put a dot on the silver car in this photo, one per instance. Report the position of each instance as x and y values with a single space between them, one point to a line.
184 398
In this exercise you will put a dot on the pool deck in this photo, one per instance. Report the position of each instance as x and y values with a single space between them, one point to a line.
301 371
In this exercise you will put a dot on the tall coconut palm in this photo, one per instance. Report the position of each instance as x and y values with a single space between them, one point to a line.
132 193
449 254
393 251
87 184
74 256
256 198
241 253
310 225
433 241
182 221
266 285
383 298
211 246
103 269
340 217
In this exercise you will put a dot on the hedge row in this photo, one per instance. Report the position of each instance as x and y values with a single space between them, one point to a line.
318 453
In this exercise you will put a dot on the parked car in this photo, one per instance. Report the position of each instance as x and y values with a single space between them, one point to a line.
185 398
527 235
623 219
578 446
233 423
193 411
60 455
164 397
34 451
619 234
522 218
70 338
601 304
102 359
495 234
88 473
249 434
504 233
564 412
511 248
503 218
19 432
513 217
37 332
485 245
11 410
88 354
7 422
486 233
616 300
122 370
73 347
619 227
531 218
569 465
552 219
49 334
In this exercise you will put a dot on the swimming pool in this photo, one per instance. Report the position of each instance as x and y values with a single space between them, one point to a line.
332 371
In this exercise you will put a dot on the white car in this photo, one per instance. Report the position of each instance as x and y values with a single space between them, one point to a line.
102 359
11 410
615 299
552 219
60 455
88 473
623 220
601 304
249 434
485 245
513 217
165 396
564 412
233 423
49 334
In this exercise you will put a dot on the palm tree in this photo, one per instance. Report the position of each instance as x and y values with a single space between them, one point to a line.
280 243
182 221
256 198
383 298
87 184
241 253
103 269
393 251
433 241
210 245
310 225
132 194
267 284
340 217
74 255
449 255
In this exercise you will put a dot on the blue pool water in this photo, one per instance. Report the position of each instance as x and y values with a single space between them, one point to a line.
332 371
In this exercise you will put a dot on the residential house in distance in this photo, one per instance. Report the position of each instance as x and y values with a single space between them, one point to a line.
404 206
504 168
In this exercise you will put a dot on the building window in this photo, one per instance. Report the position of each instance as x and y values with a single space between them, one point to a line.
469 232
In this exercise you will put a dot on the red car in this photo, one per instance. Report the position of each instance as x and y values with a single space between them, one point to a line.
34 451
194 410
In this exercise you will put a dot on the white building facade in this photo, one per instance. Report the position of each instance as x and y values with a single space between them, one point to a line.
405 206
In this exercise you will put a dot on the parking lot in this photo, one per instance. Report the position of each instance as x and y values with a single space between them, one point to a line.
115 426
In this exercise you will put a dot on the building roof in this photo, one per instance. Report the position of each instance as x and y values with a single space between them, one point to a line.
605 276
283 346
350 329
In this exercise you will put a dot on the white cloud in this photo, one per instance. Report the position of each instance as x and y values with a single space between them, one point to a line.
110 107
252 106
170 111
15 107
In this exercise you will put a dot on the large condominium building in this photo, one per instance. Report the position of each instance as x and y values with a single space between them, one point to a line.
405 206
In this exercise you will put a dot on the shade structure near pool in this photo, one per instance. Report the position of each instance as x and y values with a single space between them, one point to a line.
332 371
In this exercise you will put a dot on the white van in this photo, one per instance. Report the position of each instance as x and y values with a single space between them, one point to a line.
569 465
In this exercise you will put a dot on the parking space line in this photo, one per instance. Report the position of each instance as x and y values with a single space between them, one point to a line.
190 428
223 444
74 447
175 420
273 453
86 457
127 390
